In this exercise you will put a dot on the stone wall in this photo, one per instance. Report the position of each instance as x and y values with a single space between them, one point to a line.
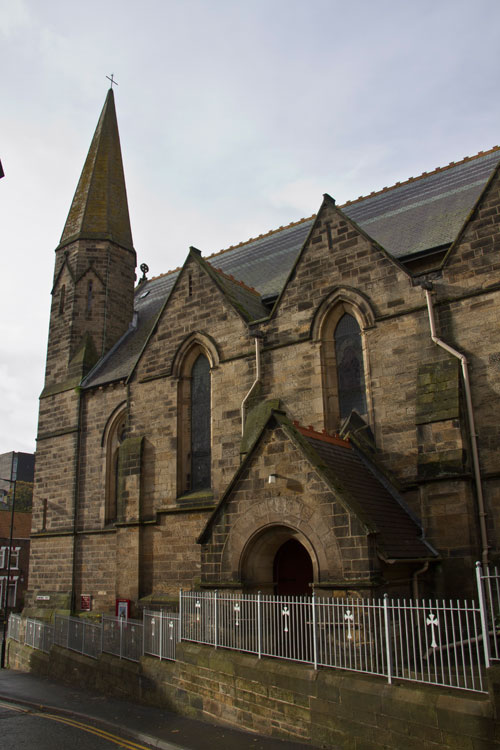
326 708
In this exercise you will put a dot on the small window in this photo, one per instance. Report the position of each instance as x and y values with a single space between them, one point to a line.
3 557
12 592
14 558
62 298
89 298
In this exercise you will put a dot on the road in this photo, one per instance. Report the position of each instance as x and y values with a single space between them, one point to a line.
22 727
37 712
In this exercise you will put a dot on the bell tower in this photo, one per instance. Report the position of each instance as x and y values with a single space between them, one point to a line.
92 307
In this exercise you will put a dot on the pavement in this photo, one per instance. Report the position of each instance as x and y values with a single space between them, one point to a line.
146 724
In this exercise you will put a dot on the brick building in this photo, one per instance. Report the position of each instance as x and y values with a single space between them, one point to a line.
17 572
15 466
277 416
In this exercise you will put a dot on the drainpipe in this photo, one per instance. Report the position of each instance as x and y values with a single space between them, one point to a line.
427 287
254 384
414 579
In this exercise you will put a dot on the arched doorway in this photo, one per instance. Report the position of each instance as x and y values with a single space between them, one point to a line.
293 570
279 559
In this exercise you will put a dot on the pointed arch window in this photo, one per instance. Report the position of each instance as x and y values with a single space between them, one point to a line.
350 366
344 361
200 424
116 436
194 451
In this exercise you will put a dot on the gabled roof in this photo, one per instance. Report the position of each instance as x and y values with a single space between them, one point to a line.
99 209
356 483
399 535
407 219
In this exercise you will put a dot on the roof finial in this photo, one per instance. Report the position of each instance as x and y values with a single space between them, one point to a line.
113 82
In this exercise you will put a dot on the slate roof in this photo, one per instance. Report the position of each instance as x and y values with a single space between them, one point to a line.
426 212
409 218
399 536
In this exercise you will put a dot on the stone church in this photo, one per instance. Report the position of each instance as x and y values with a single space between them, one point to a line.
314 409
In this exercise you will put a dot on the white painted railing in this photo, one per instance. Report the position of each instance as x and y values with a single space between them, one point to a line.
435 642
39 635
78 635
15 627
161 633
439 642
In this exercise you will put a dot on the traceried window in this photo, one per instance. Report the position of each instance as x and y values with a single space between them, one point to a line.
350 368
200 424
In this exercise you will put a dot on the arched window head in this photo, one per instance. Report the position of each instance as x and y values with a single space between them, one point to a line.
350 367
115 438
200 424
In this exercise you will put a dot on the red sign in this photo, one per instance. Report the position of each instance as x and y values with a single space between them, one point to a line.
123 608
85 602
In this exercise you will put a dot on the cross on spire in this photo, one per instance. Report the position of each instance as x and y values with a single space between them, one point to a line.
113 82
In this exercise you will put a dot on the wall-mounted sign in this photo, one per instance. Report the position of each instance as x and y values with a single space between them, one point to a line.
123 608
85 602
42 598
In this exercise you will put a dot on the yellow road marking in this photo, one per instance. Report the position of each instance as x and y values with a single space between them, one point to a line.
78 725
17 709
93 730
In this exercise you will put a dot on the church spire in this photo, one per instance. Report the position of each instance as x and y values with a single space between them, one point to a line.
100 210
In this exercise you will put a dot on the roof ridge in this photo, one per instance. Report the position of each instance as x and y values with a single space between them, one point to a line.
437 170
386 189
230 277
309 431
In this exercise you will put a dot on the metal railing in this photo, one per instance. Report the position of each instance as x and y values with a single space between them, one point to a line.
446 643
161 633
39 635
122 637
15 627
488 587
78 635
436 642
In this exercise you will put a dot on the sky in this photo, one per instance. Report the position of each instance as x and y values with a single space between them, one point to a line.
235 117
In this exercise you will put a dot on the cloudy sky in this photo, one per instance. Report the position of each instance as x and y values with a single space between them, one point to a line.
235 117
